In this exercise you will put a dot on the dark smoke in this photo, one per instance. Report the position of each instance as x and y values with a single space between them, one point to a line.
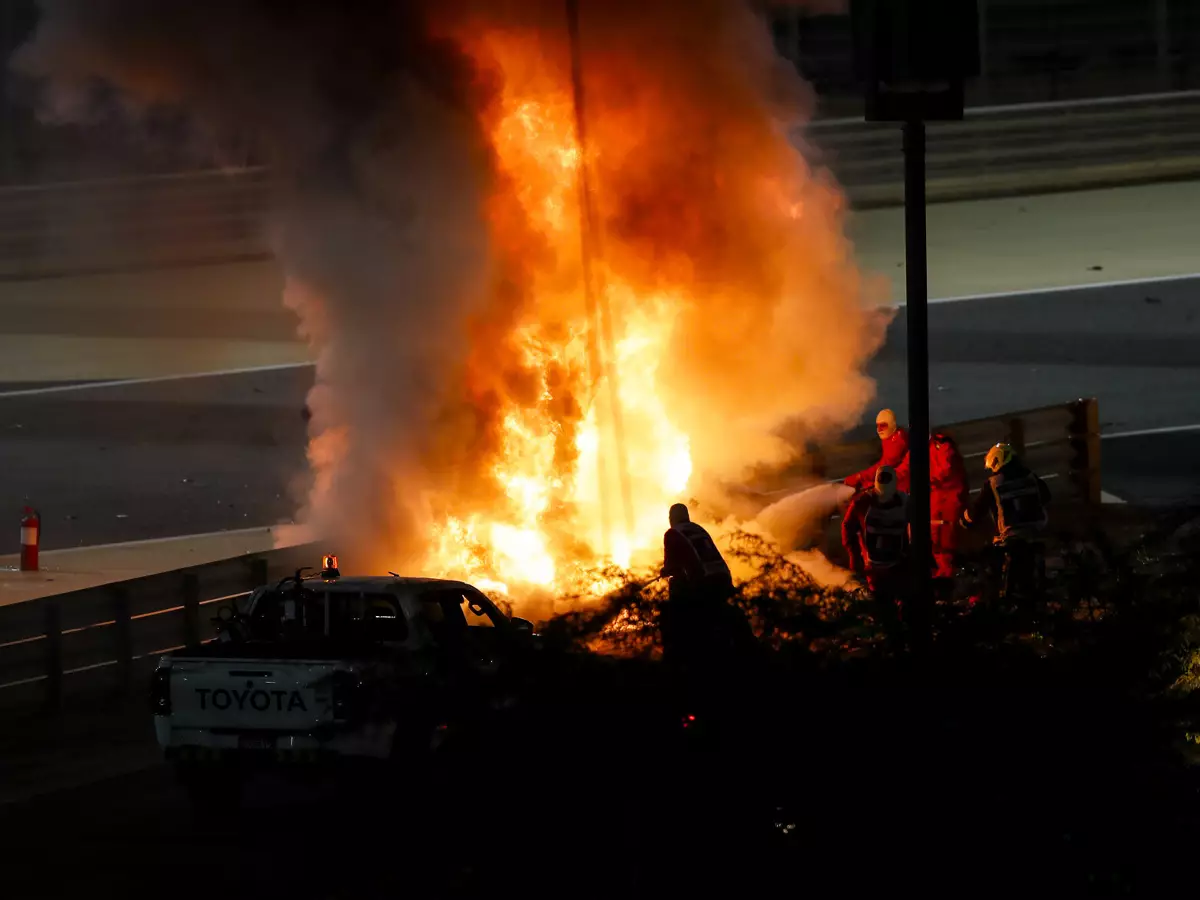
302 79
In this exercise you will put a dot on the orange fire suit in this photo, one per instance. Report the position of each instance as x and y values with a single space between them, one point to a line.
948 498
895 452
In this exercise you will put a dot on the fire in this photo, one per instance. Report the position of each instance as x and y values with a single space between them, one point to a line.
729 253
512 384
573 500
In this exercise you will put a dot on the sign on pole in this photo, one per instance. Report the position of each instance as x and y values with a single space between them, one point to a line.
912 57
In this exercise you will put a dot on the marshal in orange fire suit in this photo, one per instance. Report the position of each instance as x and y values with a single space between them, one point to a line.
875 533
948 499
894 441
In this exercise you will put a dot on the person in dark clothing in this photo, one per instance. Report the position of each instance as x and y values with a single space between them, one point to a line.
691 559
876 534
697 621
1015 499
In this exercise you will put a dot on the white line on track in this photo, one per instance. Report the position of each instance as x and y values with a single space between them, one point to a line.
174 539
1148 432
125 382
1070 288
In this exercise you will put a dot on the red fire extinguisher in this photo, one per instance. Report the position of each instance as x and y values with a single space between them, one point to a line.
31 529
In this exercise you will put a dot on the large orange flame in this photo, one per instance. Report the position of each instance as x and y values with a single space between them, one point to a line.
726 260
558 517
524 431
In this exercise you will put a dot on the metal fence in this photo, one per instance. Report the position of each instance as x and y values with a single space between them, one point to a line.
1031 50
84 643
1061 443
1020 149
220 216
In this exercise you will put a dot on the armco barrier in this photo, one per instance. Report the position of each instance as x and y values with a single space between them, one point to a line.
104 638
1061 443
1028 148
77 644
190 218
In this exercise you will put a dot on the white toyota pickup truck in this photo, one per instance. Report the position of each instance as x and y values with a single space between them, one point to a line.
328 668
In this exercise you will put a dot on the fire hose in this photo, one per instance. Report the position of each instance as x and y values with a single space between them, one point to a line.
863 490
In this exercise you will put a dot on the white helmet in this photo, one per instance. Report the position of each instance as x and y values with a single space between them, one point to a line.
885 424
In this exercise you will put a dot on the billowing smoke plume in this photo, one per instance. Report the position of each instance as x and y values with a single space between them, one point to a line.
428 224
371 125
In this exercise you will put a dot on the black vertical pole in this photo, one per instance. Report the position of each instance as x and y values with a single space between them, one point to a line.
983 84
917 311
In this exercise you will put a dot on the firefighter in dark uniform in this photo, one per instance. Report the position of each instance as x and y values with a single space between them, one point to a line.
1015 499
697 617
876 532
691 559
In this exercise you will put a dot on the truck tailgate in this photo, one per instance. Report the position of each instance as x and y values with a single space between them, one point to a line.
292 696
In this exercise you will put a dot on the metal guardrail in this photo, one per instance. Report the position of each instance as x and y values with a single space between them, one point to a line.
112 632
1020 149
220 216
1058 442
1031 51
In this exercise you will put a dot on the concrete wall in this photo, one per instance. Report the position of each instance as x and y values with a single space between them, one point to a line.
216 317
146 324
